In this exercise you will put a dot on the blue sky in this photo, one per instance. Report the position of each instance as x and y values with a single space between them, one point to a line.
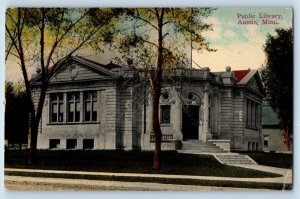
239 46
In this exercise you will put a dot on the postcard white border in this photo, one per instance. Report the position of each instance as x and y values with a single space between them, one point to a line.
163 3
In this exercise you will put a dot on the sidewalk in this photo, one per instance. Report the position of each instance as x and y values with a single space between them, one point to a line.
279 182
54 184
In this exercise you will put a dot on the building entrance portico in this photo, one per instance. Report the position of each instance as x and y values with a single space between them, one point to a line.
190 122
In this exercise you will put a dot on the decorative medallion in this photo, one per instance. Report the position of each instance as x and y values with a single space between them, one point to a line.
73 71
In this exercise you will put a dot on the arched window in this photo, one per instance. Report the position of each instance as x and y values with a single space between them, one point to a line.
191 98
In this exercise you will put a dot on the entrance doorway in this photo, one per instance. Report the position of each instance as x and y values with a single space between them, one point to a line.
190 122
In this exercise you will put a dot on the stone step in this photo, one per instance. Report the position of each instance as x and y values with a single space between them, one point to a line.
196 146
235 159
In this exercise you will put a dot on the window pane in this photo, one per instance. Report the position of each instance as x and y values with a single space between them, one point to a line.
94 106
71 143
60 117
54 117
88 143
165 114
54 143
88 106
71 107
94 95
94 116
71 116
53 99
54 108
77 96
78 107
87 96
61 108
77 116
87 116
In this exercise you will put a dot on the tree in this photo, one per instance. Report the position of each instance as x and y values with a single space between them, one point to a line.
46 38
16 111
153 39
278 78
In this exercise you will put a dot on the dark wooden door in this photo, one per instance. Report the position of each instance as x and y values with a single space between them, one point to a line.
190 122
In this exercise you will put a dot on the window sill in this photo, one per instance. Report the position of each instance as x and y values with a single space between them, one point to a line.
165 125
252 128
73 123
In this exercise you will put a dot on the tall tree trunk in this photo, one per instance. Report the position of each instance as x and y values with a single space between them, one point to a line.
34 127
157 130
156 79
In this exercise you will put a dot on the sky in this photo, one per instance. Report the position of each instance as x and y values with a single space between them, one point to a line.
237 44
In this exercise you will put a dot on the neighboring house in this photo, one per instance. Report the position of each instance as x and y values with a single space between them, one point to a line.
93 106
273 138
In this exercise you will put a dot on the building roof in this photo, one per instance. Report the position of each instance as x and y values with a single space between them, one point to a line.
269 117
240 74
109 66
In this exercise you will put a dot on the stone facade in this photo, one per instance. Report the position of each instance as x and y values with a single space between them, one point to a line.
94 106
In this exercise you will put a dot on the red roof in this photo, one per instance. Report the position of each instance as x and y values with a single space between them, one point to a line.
240 74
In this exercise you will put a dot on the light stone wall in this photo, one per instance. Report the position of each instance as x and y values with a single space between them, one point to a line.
103 131
276 140
226 113
121 114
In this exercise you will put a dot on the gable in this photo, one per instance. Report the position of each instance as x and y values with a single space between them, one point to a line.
78 69
255 84
75 71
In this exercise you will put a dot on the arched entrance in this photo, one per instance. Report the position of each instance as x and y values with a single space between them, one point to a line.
190 116
190 122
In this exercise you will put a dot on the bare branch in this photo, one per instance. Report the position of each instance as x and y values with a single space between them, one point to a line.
145 20
58 40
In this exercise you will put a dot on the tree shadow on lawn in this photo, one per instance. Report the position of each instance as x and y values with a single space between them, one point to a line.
130 162
281 160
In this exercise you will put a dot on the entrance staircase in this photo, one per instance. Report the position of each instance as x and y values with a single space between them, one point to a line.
235 159
224 157
197 146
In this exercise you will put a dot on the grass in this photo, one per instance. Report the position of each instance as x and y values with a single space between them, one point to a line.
130 162
280 160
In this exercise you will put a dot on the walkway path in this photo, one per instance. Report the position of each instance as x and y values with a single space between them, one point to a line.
37 183
287 174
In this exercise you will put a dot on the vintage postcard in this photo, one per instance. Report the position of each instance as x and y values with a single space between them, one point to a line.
149 99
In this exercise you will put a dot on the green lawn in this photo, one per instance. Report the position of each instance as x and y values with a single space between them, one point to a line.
130 162
280 160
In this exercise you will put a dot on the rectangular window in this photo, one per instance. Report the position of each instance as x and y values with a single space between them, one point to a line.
266 141
91 106
249 146
248 113
74 107
71 143
88 143
57 107
252 114
253 146
54 143
165 114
